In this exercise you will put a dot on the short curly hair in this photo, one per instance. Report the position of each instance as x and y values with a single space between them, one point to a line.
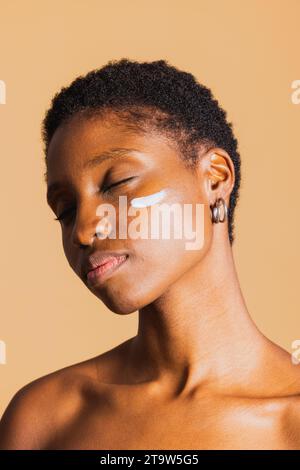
151 95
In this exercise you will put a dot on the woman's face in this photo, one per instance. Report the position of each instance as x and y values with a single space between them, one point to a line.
150 165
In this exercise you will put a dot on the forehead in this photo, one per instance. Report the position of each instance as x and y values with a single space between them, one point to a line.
75 142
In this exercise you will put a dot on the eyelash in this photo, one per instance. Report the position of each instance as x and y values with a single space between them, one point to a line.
63 214
106 190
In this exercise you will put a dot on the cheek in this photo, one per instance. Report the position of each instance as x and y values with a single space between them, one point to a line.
172 221
160 263
69 253
176 238
153 267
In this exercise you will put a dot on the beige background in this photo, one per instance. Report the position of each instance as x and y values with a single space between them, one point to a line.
247 52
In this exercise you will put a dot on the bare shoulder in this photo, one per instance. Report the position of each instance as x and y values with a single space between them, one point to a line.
292 414
292 423
291 391
47 404
43 405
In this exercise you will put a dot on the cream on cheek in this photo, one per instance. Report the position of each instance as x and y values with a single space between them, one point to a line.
149 200
137 202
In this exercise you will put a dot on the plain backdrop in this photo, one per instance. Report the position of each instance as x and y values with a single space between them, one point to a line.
247 52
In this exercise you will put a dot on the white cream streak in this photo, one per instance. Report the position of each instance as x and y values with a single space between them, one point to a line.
148 200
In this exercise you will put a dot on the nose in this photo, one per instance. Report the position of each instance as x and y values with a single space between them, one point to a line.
85 226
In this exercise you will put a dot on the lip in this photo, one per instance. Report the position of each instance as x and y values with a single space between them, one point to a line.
108 263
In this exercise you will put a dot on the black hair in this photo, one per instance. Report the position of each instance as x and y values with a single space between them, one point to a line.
151 95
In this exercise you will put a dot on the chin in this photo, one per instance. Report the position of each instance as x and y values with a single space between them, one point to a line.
125 301
117 302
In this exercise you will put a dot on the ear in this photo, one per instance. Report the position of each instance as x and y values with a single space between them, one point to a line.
219 173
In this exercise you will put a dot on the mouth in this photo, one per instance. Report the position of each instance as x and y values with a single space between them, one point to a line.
98 275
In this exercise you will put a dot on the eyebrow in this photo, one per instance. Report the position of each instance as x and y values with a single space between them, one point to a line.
114 153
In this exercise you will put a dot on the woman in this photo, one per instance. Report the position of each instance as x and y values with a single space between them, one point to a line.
198 374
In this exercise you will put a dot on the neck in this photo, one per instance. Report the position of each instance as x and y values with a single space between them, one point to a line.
200 329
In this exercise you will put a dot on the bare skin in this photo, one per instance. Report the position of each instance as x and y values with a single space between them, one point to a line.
198 374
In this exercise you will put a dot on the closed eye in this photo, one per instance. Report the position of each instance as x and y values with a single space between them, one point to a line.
108 188
66 212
